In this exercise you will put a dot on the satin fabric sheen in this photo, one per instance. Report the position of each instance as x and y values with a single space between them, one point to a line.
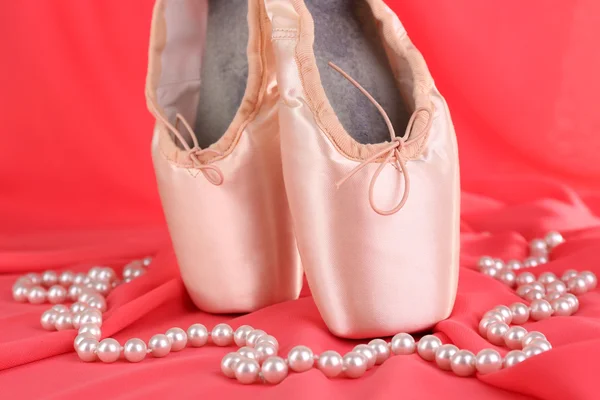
234 241
77 188
358 262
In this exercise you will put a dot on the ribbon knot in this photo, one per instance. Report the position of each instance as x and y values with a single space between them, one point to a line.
211 172
393 151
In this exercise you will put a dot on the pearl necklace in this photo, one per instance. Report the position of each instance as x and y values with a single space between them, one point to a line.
257 359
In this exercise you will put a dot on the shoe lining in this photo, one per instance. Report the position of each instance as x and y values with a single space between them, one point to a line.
224 69
346 34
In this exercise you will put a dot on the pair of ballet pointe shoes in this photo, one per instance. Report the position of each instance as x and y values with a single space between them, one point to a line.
372 221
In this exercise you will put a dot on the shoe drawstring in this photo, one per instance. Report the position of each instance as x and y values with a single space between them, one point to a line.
196 151
393 150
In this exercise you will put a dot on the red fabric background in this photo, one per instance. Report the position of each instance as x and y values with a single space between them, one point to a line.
77 187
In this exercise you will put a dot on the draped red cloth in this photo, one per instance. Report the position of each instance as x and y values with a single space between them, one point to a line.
77 188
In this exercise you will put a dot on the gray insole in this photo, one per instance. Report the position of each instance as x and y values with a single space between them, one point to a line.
224 69
345 33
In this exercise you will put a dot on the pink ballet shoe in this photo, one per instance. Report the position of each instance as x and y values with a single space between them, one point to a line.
223 197
377 224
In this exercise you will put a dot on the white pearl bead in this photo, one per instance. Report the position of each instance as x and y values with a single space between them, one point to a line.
60 308
553 239
538 286
590 279
330 363
494 314
520 313
543 344
134 269
495 332
552 296
86 349
505 312
368 353
91 330
265 350
486 262
36 295
228 364
300 359
57 294
253 337
248 352
106 274
109 350
91 316
573 301
355 364
514 265
513 338
498 264
491 272
556 287
540 309
239 337
274 370
577 285
79 338
484 324
403 343
48 320
530 262
381 349
74 292
546 278
538 245
531 336
508 277
20 292
523 290
427 347
49 278
135 350
178 338
568 274
268 339
79 278
35 279
246 371
197 335
222 335
463 363
443 356
103 288
488 361
562 307
513 358
534 294
66 278
93 272
63 322
531 351
525 278
78 306
76 319
159 345
542 259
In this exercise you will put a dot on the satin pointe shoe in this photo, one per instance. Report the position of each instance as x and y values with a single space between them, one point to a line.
216 153
374 195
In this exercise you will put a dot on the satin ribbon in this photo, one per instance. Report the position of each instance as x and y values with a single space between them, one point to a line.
393 150
212 173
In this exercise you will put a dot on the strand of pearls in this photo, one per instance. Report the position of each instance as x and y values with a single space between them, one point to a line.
257 358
